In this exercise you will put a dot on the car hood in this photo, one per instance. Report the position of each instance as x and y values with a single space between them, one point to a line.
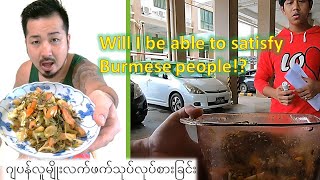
206 84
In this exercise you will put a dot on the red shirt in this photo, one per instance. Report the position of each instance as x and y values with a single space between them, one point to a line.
302 49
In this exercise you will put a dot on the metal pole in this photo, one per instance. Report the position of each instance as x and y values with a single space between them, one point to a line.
143 41
169 30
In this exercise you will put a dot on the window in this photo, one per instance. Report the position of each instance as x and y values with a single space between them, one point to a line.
204 53
206 19
251 73
160 4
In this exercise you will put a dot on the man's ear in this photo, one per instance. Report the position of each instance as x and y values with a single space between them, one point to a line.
282 9
68 41
25 41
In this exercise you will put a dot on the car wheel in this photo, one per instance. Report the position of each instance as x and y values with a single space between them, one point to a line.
138 120
243 87
176 102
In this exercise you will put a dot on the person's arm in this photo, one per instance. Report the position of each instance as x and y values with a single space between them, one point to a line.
140 148
171 140
23 73
87 79
263 75
310 90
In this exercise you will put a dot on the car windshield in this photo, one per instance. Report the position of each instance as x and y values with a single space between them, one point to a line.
186 74
252 73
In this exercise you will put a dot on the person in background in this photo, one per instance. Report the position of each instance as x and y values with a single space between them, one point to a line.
46 29
301 45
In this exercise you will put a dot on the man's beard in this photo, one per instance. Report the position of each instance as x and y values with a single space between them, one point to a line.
49 75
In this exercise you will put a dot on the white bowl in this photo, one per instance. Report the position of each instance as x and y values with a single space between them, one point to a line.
80 102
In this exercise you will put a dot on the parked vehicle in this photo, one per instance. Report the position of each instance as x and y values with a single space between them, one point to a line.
246 81
139 106
169 90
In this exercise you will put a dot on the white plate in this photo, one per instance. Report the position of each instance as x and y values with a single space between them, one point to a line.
80 102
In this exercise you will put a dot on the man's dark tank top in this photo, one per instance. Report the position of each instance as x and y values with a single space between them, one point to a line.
34 75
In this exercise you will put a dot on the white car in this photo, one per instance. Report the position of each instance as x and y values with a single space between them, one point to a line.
169 90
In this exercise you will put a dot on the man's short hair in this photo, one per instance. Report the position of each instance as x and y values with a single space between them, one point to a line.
44 8
281 2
